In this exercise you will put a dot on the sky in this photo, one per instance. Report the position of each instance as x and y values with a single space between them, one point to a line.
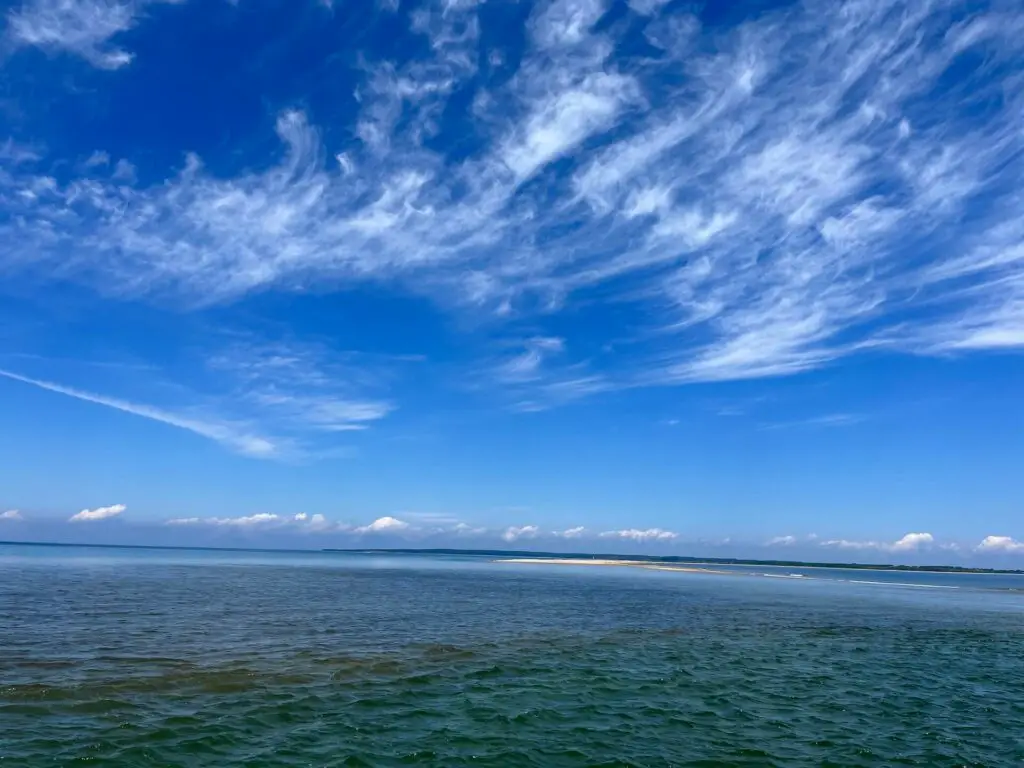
735 279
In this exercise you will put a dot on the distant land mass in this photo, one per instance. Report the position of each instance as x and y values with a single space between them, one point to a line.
680 559
546 555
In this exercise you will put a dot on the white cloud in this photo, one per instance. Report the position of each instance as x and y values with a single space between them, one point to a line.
385 524
516 532
772 197
301 387
558 23
1000 544
11 514
636 534
910 542
320 523
852 544
97 158
301 521
647 7
81 27
123 171
572 533
564 120
526 366
100 513
14 153
465 529
827 421
784 541
246 521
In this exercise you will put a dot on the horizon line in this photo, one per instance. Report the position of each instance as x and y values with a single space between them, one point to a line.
541 554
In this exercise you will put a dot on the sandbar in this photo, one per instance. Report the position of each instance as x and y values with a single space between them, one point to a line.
567 561
628 563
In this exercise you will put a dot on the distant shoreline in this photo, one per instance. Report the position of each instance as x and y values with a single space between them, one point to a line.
584 558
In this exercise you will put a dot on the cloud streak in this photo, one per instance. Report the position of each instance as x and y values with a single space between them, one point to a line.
316 523
233 436
641 536
911 542
100 513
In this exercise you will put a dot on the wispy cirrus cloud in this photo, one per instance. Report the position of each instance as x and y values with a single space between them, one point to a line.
517 532
84 28
767 198
304 387
279 400
828 420
235 436
641 535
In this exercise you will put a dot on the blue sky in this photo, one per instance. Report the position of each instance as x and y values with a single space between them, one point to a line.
620 276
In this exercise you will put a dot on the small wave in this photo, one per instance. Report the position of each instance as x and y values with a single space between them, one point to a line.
901 584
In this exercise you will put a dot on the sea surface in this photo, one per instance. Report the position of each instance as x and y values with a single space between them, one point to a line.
136 657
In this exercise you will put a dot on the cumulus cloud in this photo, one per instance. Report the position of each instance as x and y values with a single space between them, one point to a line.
386 524
912 541
635 534
514 532
572 533
784 541
318 522
11 514
100 513
1002 544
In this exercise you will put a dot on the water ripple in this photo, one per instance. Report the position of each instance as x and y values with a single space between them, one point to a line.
166 665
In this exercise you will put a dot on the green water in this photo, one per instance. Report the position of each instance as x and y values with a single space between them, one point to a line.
157 659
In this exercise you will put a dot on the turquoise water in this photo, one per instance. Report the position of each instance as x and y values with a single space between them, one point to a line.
184 658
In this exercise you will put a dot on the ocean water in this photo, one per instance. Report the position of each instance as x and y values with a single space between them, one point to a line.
182 658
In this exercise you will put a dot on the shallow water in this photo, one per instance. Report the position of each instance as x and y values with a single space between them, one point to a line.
178 658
